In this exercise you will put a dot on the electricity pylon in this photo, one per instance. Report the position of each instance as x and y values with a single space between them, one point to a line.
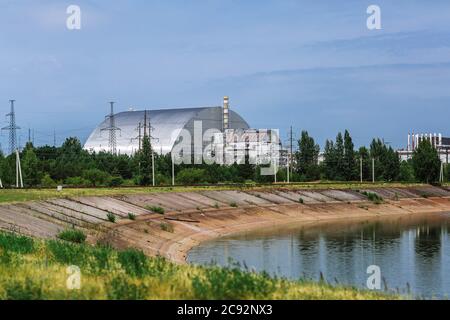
12 128
112 143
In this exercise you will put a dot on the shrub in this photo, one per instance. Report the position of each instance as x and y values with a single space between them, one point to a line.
115 181
191 176
111 217
216 205
300 200
96 177
156 209
72 235
77 181
375 198
166 227
47 181
233 204
131 216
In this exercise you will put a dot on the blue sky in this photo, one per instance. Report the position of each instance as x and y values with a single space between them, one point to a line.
310 64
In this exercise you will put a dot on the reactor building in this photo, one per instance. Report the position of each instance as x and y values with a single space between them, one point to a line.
123 133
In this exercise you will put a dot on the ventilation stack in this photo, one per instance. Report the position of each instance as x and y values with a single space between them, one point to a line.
226 114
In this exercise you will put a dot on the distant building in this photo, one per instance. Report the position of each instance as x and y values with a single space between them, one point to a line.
440 143
168 129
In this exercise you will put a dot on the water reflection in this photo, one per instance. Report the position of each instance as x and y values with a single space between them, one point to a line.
411 251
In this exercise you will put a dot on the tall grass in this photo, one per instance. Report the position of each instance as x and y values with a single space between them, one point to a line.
36 269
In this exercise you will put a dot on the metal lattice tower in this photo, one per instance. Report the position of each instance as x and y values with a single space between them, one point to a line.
112 143
12 128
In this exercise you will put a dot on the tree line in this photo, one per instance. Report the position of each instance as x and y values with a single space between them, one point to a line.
69 164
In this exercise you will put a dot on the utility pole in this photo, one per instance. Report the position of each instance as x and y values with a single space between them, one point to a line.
112 143
12 128
29 135
373 170
441 174
291 151
54 137
18 171
173 168
361 169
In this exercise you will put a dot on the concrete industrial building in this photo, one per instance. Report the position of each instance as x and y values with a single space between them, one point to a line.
440 143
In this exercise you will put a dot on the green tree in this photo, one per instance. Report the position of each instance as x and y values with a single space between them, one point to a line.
96 177
30 166
426 162
307 157
339 158
145 162
363 153
349 163
329 161
406 173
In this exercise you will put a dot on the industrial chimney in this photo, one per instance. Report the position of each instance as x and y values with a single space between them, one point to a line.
225 114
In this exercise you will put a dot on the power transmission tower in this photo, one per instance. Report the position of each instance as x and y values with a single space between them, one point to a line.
12 128
139 136
112 143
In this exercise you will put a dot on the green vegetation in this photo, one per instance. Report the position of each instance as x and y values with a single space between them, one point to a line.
156 209
70 165
35 269
111 217
233 204
375 198
300 200
426 162
131 216
72 235
166 227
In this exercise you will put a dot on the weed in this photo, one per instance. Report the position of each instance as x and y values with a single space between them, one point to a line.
133 261
16 243
166 227
301 200
72 235
233 204
156 209
111 217
216 205
131 216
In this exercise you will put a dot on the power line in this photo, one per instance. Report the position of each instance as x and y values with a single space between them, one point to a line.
12 128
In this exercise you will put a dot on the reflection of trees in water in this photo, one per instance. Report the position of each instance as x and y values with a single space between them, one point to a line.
428 240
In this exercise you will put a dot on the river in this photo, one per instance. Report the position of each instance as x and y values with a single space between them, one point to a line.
412 252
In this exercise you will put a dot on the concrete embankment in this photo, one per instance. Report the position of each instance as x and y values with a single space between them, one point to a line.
193 217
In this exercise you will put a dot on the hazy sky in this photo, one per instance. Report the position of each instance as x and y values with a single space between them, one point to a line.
310 64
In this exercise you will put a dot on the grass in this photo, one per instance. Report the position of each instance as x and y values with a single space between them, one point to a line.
111 217
375 198
72 235
156 209
37 269
166 227
21 195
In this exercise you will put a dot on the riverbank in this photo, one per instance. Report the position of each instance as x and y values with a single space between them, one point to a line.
33 269
171 223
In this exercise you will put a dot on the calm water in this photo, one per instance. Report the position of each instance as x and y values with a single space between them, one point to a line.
412 252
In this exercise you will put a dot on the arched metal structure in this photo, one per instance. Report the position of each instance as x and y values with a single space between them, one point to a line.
166 126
